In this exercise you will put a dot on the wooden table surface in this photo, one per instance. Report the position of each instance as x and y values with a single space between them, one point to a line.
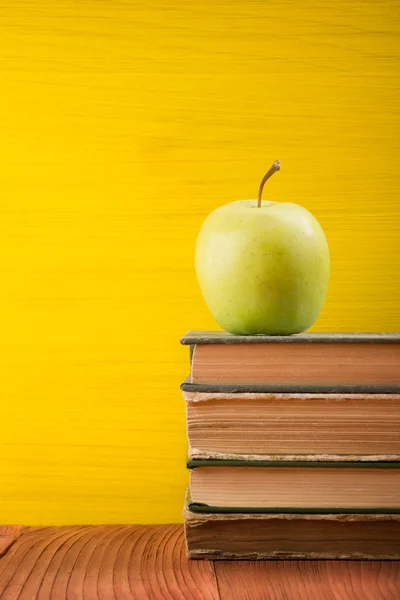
149 561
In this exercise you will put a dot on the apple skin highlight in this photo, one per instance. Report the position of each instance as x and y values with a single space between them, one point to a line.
262 267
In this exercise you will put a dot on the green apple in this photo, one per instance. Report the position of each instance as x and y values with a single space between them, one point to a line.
262 267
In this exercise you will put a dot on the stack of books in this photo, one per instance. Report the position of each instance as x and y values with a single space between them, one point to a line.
294 446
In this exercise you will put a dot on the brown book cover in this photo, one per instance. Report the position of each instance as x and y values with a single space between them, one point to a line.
323 362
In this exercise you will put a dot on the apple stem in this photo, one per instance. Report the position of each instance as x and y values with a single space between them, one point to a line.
275 167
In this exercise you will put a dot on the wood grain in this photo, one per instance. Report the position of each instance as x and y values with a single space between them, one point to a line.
312 580
123 125
104 562
8 535
142 562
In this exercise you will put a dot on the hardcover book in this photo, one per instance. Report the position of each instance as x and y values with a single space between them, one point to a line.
326 362
304 487
292 536
292 426
294 446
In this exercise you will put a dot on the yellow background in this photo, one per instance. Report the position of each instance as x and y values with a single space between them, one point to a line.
123 124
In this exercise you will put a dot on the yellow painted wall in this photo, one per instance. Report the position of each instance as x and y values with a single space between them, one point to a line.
123 124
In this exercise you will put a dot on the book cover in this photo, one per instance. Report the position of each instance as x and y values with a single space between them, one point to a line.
193 337
238 388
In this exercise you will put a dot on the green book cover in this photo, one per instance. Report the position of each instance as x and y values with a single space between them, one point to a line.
222 337
237 388
194 463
